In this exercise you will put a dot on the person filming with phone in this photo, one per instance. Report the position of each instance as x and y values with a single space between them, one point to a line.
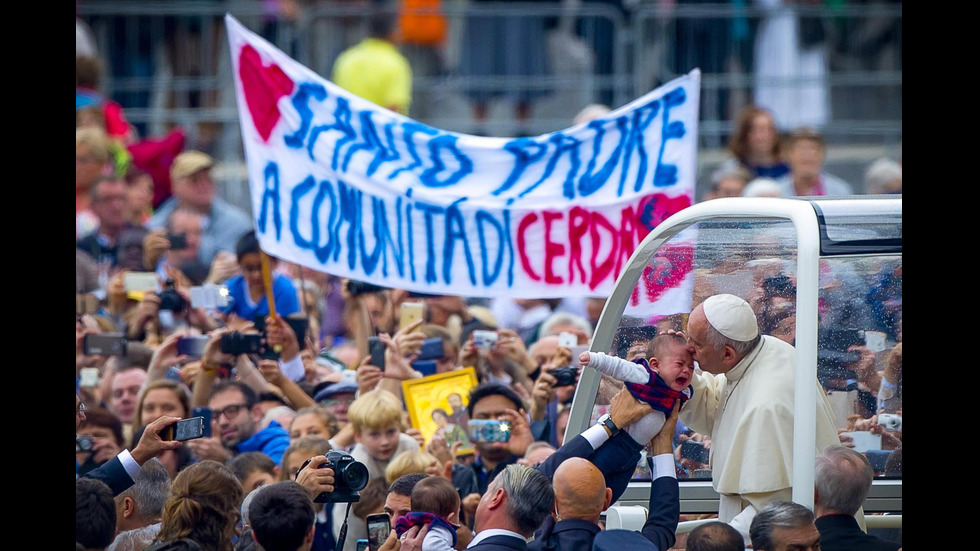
119 472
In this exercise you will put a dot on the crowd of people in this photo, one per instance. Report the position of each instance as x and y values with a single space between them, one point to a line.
292 397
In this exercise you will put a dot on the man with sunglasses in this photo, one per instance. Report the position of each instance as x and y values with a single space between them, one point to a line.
235 420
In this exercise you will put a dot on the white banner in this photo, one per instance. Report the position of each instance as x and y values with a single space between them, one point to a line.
345 187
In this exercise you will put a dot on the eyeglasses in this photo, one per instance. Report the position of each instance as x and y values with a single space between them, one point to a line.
331 402
231 411
80 410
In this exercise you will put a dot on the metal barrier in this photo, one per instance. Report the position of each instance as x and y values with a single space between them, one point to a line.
168 64
835 68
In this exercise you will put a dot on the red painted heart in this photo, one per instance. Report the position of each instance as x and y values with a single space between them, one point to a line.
673 262
656 208
263 85
664 271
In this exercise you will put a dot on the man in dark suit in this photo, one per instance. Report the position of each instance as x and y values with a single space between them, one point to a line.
603 447
581 493
516 502
842 481
118 472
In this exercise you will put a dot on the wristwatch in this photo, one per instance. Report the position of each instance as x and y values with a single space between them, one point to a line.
606 420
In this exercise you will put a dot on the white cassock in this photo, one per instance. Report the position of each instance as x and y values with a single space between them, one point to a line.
749 414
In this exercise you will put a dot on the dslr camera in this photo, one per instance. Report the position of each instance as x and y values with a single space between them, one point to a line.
565 375
350 476
170 299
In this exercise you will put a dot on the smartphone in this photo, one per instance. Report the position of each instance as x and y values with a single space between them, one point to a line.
141 281
410 313
89 377
377 350
185 429
192 346
178 241
378 527
241 343
362 545
209 297
488 430
875 340
567 339
203 412
483 340
425 367
105 344
695 451
432 349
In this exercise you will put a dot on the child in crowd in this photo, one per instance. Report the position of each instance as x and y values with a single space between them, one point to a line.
254 469
376 417
434 502
660 379
246 291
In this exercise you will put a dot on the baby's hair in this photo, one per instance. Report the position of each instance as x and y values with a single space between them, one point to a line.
436 495
659 343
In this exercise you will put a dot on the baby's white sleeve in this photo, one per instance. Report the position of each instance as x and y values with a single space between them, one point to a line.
618 368
437 539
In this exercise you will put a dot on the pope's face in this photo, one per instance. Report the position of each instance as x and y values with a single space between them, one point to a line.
708 357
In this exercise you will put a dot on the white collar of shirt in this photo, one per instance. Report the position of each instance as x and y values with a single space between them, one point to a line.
484 534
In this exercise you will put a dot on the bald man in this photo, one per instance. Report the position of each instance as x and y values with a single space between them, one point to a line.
581 495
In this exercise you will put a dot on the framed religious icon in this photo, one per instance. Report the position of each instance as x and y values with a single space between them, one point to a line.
438 402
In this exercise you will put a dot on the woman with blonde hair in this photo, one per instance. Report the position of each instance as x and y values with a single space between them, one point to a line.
413 461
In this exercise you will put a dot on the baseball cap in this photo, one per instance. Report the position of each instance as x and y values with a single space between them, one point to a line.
332 389
188 163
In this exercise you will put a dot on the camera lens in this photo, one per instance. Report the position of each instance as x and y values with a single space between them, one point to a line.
355 474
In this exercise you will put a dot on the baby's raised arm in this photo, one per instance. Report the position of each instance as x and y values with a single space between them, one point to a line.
615 367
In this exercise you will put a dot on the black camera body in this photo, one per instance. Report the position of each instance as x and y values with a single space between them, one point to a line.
170 299
349 475
83 443
241 343
565 375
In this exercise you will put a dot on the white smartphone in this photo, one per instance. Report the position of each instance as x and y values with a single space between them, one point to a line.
567 339
89 377
874 340
864 440
141 281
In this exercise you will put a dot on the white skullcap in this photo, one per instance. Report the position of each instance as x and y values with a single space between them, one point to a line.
732 317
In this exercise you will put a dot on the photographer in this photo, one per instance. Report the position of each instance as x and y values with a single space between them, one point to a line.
547 395
235 415
118 473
